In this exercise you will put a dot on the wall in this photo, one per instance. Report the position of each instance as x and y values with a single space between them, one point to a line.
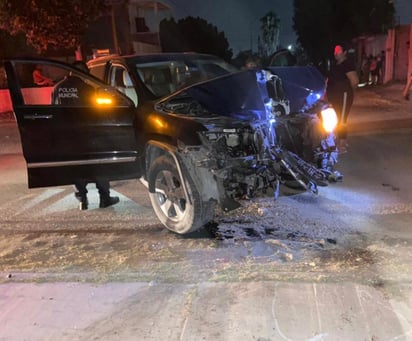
398 53
401 57
410 51
5 101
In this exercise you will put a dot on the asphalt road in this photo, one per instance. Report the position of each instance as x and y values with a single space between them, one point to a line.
336 266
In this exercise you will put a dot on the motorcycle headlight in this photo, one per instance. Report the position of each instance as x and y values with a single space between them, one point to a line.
329 119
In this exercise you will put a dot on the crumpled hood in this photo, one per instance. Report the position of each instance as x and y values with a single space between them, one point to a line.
303 85
243 95
237 95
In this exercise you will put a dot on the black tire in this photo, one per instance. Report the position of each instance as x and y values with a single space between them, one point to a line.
177 212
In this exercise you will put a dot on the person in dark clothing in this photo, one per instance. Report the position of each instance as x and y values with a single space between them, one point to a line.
73 90
341 84
381 67
102 185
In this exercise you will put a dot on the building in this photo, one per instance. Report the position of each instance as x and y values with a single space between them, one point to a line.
403 37
395 48
395 44
130 27
144 20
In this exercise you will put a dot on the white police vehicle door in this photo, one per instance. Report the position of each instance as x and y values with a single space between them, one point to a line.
64 141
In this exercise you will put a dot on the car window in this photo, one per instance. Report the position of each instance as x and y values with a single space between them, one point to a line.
97 70
121 80
164 77
63 85
116 77
159 77
213 69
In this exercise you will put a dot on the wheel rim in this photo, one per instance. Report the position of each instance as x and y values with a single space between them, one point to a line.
170 195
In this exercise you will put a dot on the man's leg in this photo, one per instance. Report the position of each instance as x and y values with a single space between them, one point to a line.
81 194
405 92
343 133
106 200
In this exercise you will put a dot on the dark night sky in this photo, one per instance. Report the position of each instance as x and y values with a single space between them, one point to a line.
403 11
238 19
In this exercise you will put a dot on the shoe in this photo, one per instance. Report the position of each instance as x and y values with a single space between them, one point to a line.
106 202
84 203
406 97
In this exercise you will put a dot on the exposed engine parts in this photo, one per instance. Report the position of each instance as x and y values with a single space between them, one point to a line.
249 149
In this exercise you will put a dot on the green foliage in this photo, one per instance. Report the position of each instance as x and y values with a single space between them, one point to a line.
195 35
50 23
320 24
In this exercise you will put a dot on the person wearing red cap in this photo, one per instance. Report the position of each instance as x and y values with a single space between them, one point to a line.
342 81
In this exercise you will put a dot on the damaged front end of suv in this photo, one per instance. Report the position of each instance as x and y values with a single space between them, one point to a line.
256 134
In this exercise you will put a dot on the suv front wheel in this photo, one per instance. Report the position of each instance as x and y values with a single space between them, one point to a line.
181 211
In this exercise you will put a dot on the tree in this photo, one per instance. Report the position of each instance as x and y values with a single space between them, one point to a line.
193 34
321 24
270 27
16 45
243 57
50 23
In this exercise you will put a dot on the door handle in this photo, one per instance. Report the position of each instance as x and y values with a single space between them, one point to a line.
36 117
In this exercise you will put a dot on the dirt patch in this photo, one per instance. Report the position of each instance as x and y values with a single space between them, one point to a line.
290 239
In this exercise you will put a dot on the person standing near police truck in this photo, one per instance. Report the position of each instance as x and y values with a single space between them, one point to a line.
341 84
73 90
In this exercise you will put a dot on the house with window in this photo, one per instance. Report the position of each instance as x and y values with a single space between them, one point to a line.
129 27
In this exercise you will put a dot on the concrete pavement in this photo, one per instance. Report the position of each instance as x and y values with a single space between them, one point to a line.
203 311
378 108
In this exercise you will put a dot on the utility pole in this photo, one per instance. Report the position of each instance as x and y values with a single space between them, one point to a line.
114 31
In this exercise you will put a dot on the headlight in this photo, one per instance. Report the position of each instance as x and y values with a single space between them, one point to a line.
329 119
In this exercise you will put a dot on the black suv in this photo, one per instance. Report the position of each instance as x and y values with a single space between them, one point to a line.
197 131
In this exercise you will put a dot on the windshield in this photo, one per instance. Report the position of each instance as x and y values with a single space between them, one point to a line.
165 77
